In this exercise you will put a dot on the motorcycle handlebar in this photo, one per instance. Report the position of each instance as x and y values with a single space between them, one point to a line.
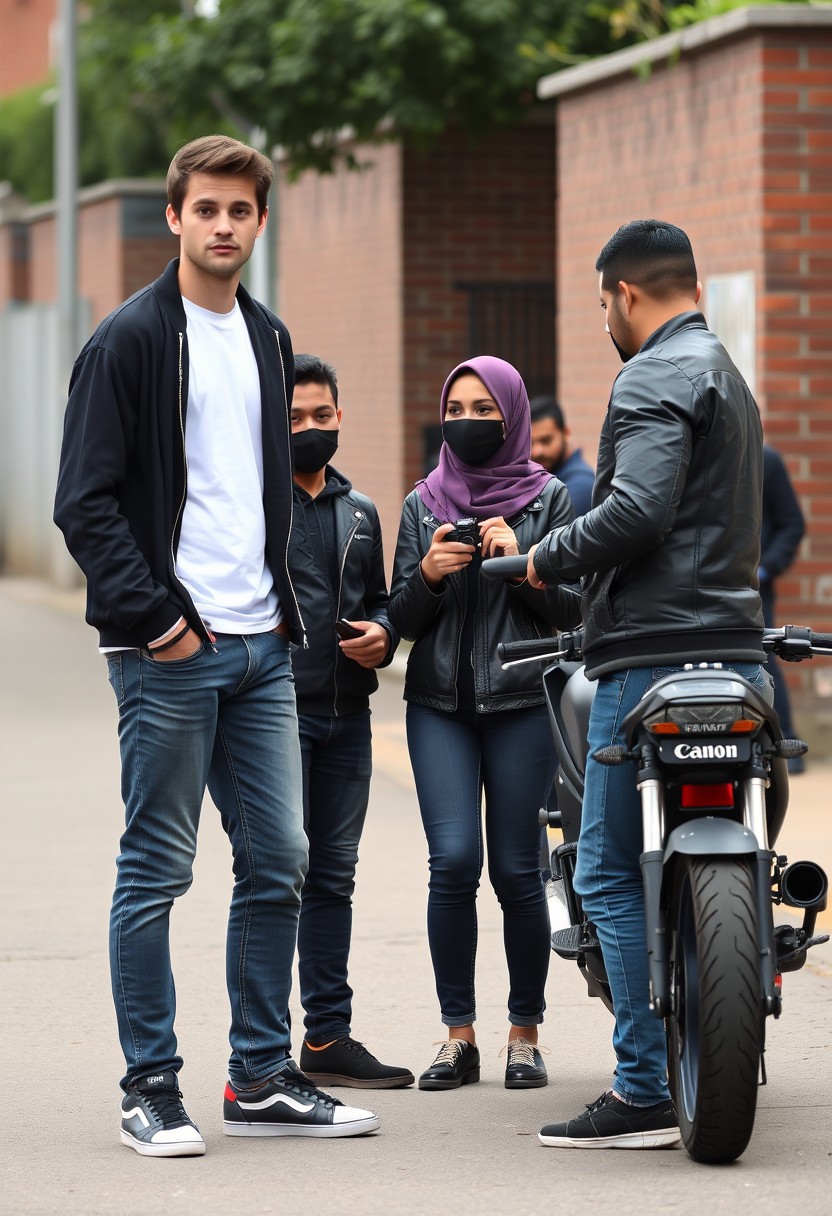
793 643
564 646
505 567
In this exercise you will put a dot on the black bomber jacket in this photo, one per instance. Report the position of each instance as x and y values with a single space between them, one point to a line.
668 552
327 683
506 612
122 482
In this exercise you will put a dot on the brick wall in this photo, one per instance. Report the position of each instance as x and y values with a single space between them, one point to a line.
472 213
25 42
340 275
733 143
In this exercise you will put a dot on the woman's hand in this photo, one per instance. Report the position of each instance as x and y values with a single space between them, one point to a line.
498 540
445 556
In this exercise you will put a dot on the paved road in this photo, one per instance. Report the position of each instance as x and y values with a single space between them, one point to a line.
473 1151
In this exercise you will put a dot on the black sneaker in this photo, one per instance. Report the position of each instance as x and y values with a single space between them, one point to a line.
611 1123
290 1105
347 1062
154 1121
457 1063
525 1068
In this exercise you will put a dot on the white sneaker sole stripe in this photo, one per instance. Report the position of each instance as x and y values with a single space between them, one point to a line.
657 1139
358 1127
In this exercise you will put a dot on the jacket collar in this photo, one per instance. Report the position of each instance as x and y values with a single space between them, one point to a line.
683 320
166 288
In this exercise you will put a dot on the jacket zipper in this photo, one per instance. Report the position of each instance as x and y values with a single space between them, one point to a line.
206 632
338 606
291 502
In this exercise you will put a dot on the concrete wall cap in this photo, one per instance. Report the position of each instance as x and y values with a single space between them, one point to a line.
119 187
691 38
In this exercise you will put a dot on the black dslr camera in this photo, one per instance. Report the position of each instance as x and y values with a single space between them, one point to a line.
466 532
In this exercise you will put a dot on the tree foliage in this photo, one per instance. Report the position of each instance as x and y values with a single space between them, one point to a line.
302 73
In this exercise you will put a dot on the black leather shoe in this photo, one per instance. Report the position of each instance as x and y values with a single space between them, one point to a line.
457 1063
525 1068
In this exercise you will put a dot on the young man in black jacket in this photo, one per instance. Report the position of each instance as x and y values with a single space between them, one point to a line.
175 498
337 567
668 557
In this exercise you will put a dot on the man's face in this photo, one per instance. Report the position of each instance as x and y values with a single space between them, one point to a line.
313 406
549 445
218 224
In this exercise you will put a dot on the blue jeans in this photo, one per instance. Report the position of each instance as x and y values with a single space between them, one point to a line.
608 880
508 756
337 765
224 718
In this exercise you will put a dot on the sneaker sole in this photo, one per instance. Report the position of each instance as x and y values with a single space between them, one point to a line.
323 1131
323 1079
664 1138
469 1078
186 1149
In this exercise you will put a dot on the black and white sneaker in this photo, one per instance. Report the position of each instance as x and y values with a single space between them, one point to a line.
611 1123
154 1121
290 1105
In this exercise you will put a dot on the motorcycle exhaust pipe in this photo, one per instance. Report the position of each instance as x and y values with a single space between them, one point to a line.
804 884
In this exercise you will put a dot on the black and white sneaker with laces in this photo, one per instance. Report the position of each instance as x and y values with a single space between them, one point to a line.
154 1121
290 1105
611 1123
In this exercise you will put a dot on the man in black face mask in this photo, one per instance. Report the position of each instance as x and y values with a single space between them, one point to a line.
337 568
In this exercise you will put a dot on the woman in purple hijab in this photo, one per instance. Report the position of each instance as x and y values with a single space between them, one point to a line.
477 734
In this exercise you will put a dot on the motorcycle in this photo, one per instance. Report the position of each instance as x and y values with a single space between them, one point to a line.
711 768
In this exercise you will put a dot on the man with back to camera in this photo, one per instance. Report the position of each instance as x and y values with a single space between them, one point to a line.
337 566
668 557
175 498
552 447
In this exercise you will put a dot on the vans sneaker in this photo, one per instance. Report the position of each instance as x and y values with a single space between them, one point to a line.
611 1123
290 1105
154 1121
345 1061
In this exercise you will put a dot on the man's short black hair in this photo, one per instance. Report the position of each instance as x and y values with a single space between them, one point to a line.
309 369
545 406
652 254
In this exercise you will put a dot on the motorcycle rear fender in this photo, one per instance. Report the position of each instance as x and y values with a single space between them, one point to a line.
709 835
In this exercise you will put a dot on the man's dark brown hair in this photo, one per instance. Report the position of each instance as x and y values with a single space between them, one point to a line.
219 154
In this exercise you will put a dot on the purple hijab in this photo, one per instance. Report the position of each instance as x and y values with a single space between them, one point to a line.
509 480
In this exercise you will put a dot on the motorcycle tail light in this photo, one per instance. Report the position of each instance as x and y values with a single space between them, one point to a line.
704 718
698 796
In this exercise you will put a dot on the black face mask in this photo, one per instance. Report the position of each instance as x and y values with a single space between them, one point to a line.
622 354
473 440
313 448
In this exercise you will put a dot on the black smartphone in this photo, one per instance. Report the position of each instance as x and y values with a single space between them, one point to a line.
345 630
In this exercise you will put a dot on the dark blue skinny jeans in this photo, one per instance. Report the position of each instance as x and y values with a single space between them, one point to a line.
508 758
337 765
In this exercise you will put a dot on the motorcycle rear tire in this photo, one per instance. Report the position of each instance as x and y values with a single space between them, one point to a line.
715 1033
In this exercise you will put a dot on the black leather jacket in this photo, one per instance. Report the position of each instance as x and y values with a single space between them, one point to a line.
505 612
350 583
669 551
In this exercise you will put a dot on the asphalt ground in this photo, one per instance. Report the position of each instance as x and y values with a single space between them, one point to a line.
472 1151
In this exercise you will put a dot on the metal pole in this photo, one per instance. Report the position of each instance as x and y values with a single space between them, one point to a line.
64 571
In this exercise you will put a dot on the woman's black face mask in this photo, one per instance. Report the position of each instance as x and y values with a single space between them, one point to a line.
313 448
473 440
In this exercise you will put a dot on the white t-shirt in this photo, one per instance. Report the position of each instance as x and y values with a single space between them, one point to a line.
221 556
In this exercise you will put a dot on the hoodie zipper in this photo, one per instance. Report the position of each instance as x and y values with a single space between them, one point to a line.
291 502
356 526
